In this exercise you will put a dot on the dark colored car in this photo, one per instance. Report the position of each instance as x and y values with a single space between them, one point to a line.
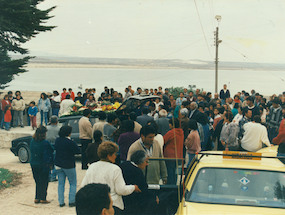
21 146
134 104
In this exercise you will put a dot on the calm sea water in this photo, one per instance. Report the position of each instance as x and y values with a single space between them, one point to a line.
49 79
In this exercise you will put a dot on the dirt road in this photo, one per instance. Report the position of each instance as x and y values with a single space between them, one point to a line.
19 200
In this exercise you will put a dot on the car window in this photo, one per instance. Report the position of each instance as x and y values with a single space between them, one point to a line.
239 187
93 120
74 124
126 104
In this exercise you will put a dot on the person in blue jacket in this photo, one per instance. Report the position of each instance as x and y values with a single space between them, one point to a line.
32 112
41 161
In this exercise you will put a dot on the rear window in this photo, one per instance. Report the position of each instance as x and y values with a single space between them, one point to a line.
74 124
93 120
130 105
238 187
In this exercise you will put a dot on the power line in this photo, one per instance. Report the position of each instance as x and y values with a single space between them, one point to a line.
249 59
203 29
235 50
178 50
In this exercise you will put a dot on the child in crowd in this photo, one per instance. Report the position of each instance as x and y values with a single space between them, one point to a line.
7 117
217 117
32 112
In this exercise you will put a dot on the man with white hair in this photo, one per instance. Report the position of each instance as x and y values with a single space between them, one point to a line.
162 122
195 113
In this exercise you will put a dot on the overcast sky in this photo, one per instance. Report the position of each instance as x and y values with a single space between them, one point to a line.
251 30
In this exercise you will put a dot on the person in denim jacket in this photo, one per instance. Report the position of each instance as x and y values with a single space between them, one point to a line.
44 107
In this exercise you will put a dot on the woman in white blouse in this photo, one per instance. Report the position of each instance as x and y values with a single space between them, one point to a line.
106 172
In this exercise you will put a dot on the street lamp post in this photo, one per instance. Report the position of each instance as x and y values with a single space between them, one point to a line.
217 42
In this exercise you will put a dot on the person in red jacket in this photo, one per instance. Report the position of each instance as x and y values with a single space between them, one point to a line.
71 93
7 117
64 94
173 148
4 103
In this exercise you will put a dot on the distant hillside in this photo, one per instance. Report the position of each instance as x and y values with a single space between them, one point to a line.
45 61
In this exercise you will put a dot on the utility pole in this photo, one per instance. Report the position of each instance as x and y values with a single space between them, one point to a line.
217 42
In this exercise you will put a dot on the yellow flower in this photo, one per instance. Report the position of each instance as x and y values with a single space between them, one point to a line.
109 107
116 105
77 103
4 182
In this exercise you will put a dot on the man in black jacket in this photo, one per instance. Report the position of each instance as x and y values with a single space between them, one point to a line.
224 94
251 106
138 203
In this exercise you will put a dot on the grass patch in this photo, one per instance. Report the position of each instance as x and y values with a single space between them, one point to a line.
8 178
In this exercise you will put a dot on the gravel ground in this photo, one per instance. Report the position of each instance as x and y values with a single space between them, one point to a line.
20 199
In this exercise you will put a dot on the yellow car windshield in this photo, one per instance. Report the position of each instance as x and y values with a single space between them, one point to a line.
238 187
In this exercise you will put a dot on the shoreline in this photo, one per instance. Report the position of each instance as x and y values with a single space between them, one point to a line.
103 66
144 66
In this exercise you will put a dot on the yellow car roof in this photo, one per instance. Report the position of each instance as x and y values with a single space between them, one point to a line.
263 164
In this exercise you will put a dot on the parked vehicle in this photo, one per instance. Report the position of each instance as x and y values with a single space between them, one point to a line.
133 104
236 184
21 146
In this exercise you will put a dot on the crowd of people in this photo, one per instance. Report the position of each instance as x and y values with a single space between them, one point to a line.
13 106
116 149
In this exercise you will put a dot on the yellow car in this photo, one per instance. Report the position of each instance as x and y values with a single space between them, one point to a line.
242 183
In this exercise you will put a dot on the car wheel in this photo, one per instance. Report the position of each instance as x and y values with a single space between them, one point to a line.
24 154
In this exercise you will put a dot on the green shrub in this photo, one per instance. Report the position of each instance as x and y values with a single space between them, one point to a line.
175 91
7 178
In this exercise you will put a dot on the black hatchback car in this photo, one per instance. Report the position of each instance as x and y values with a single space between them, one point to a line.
21 146
134 104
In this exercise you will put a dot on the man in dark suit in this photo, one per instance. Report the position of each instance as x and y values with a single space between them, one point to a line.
194 112
144 118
